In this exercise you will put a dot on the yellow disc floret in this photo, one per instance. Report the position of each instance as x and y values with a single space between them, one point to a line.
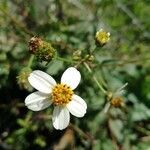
117 102
61 94
102 37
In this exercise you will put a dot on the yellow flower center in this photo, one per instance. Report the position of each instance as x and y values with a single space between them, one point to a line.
61 94
102 37
117 102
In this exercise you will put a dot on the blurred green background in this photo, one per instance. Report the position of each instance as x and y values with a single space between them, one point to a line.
71 25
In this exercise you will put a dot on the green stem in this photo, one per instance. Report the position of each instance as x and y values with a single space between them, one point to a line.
95 79
79 131
30 61
63 59
143 130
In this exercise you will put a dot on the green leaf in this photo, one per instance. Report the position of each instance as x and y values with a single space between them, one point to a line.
54 67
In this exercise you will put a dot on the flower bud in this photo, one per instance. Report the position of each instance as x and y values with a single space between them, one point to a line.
89 57
77 55
41 49
102 37
22 79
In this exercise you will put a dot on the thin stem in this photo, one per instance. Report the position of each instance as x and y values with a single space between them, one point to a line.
143 130
80 132
99 85
63 59
95 79
30 61
80 62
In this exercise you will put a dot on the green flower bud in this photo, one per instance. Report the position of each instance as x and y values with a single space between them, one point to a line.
41 49
89 57
77 55
22 79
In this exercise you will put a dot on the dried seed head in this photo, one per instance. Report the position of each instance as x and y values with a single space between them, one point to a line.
41 49
34 44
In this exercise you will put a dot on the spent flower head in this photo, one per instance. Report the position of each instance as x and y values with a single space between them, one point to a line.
61 95
102 37
41 49
115 99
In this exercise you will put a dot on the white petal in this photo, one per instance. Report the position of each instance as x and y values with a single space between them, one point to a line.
121 90
61 117
122 87
71 77
108 34
119 93
77 106
37 101
41 81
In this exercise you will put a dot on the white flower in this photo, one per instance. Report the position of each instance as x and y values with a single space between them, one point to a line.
60 95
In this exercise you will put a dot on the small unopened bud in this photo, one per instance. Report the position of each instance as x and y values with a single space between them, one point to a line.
117 102
102 37
77 55
41 49
89 57
22 79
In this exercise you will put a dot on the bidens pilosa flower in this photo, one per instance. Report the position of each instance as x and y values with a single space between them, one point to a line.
60 95
102 37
